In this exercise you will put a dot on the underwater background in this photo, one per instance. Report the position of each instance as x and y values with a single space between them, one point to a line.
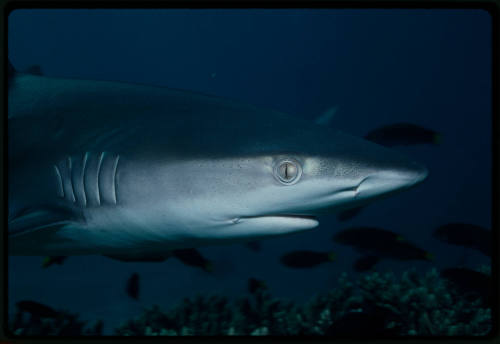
377 67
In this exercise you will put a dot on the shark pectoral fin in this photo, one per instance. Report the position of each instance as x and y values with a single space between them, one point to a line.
33 229
140 257
36 219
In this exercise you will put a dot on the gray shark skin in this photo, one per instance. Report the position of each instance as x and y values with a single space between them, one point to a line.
97 167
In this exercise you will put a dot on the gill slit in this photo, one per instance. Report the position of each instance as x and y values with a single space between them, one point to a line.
85 157
59 177
115 181
99 163
73 198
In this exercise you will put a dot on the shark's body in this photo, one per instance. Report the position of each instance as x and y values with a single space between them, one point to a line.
124 169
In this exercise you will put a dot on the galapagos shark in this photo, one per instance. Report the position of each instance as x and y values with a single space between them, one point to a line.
130 170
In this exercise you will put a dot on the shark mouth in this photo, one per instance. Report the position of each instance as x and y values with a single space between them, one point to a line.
279 223
255 227
291 216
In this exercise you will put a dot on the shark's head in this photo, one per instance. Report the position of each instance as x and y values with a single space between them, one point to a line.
275 186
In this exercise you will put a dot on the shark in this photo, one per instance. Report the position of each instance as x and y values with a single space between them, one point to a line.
131 170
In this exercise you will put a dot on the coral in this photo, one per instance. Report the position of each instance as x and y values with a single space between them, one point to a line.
65 324
426 305
209 315
375 303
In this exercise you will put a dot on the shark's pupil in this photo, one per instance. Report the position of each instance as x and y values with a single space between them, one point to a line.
287 171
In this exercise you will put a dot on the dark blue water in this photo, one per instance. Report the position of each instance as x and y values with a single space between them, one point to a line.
428 67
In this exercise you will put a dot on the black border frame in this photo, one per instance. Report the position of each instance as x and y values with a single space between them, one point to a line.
491 6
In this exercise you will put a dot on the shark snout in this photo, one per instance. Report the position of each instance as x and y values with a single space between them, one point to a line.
418 173
387 181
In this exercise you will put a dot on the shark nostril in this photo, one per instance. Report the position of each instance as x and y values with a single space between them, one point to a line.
357 187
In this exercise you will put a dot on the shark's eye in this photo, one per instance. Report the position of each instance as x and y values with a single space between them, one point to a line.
288 171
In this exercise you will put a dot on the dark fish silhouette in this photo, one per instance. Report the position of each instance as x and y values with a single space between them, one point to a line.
51 260
382 243
367 238
403 134
255 246
306 259
348 214
466 235
189 256
193 257
255 285
366 263
37 309
141 257
404 250
470 281
132 287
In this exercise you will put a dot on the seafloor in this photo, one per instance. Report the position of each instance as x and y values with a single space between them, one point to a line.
373 305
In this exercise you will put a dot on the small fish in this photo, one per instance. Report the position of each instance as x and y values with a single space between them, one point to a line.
466 235
367 238
382 243
37 309
132 287
255 285
50 260
141 257
193 257
98 327
348 214
470 281
366 263
255 246
403 134
306 259
404 250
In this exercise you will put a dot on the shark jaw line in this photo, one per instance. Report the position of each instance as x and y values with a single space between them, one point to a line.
298 221
289 216
244 228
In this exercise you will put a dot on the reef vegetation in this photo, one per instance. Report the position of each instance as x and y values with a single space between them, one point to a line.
64 323
375 304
